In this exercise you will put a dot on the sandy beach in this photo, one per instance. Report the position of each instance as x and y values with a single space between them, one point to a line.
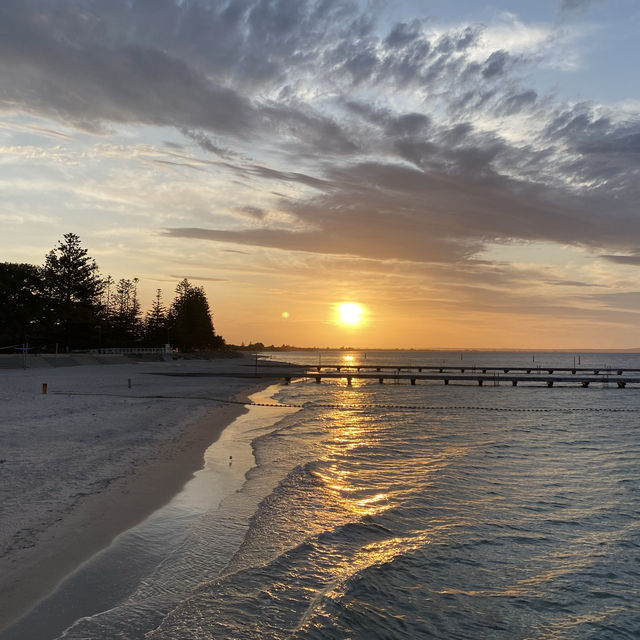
94 456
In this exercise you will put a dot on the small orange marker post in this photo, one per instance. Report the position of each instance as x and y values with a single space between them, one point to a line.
44 388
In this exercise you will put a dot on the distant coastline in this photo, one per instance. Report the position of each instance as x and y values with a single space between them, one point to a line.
289 348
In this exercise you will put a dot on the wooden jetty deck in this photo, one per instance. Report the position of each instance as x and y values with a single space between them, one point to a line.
480 379
471 369
477 375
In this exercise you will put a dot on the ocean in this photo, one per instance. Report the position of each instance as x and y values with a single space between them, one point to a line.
396 511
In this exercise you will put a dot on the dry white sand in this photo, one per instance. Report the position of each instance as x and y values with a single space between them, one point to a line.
77 470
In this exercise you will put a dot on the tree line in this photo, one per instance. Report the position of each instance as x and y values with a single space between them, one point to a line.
67 304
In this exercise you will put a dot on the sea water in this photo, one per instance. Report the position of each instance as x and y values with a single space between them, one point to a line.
429 511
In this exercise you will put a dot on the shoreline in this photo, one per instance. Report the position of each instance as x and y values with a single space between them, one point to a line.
30 574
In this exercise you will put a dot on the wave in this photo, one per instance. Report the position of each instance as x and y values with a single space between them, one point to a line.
281 597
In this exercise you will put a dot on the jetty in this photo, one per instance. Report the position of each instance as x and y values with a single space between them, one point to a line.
473 369
478 375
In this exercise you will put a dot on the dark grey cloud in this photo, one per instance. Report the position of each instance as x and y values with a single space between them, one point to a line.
633 259
403 34
603 154
256 213
188 65
391 211
285 176
496 64
92 83
391 124
207 143
516 102
572 6
310 133
373 241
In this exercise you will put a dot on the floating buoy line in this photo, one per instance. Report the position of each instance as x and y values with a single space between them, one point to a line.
360 407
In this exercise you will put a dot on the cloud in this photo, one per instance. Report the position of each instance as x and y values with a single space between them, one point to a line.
571 283
444 192
392 211
633 260
392 141
32 128
198 278
627 300
178 164
129 85
403 34
581 6
207 143
255 213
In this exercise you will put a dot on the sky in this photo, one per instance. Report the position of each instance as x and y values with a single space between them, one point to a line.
467 172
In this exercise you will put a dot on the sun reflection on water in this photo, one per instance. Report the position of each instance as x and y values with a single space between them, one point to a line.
375 554
342 476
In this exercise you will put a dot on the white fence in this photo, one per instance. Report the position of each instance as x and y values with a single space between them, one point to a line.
134 350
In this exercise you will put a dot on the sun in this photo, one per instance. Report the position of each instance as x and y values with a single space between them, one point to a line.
350 314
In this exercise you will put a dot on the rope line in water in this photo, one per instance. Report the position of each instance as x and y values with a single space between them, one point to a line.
343 407
468 408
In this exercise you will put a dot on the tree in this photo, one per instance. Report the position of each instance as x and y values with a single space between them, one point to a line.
124 315
73 288
155 322
71 275
190 320
106 298
21 303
